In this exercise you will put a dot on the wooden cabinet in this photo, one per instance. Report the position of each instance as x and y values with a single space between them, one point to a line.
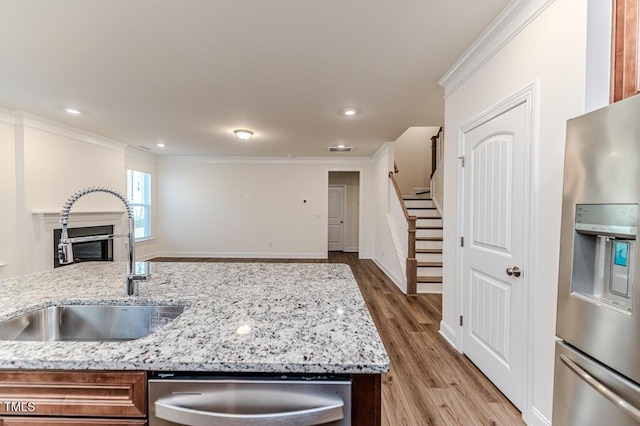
626 65
72 394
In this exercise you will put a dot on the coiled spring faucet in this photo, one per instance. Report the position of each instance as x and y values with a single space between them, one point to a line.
65 247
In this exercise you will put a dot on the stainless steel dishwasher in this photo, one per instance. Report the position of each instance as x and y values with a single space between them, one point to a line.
264 401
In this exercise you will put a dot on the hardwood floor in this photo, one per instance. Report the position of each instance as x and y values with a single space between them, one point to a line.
430 383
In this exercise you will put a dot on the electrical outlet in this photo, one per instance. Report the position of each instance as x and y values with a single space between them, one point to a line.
270 244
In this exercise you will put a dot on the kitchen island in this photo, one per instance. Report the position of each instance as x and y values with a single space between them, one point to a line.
242 318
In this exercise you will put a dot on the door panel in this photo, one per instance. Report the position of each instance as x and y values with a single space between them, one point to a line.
493 218
336 218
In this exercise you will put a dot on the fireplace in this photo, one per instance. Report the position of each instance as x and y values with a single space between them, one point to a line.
86 251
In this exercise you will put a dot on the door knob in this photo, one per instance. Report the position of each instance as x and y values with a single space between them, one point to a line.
515 271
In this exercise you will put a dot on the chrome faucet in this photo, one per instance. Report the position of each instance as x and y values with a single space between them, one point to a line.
65 248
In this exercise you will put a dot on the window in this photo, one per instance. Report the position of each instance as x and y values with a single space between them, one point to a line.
139 196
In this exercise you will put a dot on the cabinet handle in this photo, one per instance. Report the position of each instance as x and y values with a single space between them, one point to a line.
179 414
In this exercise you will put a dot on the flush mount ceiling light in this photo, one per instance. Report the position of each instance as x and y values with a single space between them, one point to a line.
72 111
243 134
160 145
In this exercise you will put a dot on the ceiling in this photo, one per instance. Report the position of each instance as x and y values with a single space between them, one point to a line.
187 73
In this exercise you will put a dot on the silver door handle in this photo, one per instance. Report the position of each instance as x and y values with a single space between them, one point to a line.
601 388
165 410
515 271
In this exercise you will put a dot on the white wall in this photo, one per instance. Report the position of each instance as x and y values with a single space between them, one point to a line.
551 51
8 236
249 209
385 250
351 180
56 166
413 158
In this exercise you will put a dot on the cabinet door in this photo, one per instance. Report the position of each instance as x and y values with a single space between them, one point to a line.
626 66
62 421
73 393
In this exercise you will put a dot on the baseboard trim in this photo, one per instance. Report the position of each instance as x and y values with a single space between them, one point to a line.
146 256
351 249
536 418
396 280
449 334
248 255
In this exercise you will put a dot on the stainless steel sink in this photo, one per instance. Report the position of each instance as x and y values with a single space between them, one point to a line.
89 323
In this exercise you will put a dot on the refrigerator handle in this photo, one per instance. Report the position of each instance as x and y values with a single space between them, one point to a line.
602 389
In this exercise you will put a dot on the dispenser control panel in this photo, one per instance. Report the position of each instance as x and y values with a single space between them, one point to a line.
619 219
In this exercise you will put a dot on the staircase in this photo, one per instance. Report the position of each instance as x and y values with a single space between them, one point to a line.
428 243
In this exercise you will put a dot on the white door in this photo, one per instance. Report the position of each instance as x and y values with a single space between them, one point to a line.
336 218
493 229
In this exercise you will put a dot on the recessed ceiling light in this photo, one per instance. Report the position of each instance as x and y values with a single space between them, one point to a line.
243 134
351 111
160 145
72 111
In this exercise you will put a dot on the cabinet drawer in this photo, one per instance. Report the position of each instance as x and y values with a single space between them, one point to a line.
73 393
61 421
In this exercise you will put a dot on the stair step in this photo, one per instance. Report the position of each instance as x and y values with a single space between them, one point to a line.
428 244
429 279
431 221
428 233
429 255
429 227
424 213
430 264
418 202
428 238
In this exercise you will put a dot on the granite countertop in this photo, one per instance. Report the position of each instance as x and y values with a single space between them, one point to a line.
304 318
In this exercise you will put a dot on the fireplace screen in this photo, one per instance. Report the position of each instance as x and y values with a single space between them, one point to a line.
87 251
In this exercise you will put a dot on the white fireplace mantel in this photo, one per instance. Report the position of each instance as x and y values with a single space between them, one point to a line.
45 222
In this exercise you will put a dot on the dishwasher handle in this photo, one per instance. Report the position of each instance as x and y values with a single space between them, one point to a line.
167 410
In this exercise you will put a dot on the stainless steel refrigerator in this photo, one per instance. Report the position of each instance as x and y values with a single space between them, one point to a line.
597 365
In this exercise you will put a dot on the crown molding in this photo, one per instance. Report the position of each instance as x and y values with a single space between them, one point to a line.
266 160
36 122
6 116
133 152
513 19
383 150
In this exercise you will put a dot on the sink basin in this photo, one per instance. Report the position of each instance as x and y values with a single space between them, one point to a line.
89 323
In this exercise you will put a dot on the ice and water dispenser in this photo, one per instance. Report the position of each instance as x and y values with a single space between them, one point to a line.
604 253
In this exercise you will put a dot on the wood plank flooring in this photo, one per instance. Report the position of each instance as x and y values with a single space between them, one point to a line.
430 383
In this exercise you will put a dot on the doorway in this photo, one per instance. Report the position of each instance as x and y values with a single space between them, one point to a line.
343 211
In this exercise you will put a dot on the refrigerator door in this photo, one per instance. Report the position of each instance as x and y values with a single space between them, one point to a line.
588 393
598 292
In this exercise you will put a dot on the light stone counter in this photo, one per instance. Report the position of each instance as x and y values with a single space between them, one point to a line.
303 318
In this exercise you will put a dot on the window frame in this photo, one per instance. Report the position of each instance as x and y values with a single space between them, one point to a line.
145 205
